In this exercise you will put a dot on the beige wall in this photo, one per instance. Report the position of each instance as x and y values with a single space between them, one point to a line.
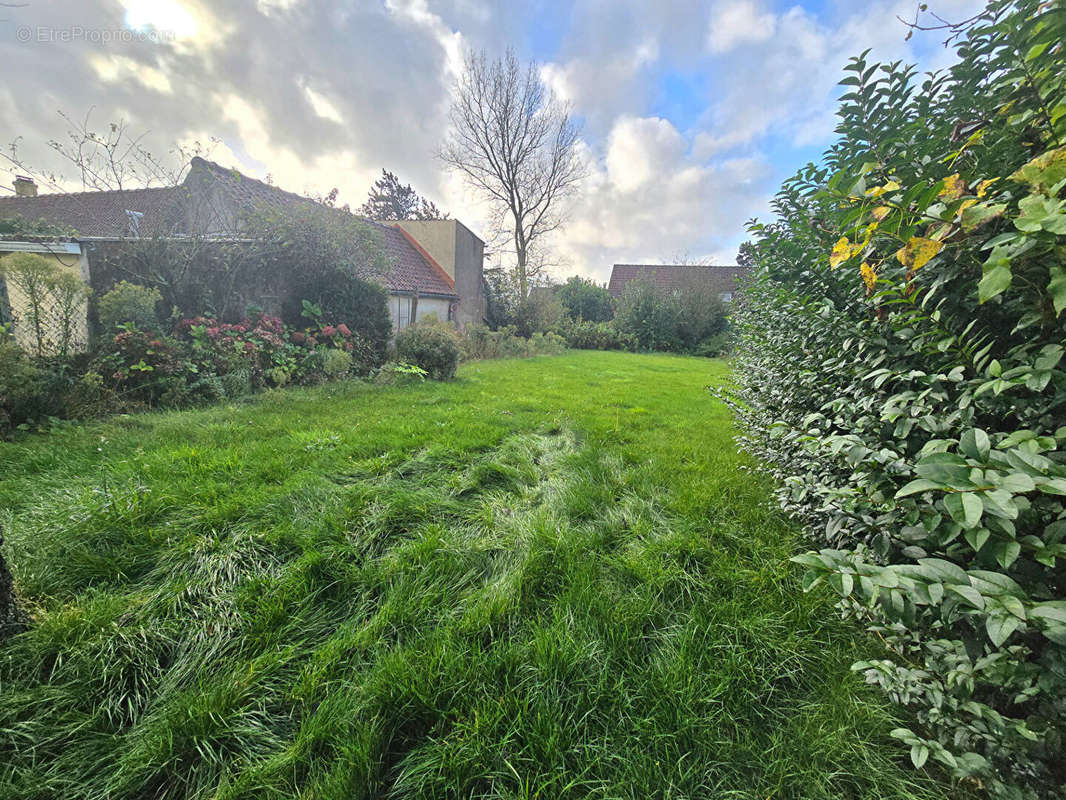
437 237
460 254
18 304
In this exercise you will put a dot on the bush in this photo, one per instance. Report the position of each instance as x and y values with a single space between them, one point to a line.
650 316
141 367
128 302
50 317
478 342
236 384
597 336
677 321
586 301
901 361
701 317
431 346
345 299
20 387
335 363
540 312
717 346
260 345
398 373
546 344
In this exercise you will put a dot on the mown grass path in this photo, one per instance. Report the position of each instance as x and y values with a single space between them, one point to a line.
551 578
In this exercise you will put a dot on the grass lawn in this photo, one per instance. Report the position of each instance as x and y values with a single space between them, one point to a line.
551 578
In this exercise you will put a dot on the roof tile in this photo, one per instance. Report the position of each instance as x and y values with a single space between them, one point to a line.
104 215
677 276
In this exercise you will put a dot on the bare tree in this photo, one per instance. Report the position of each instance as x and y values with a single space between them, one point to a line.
685 258
516 145
112 159
954 29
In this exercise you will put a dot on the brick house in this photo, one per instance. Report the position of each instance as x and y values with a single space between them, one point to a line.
432 267
723 280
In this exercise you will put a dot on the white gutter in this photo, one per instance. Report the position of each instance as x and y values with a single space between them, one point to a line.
7 246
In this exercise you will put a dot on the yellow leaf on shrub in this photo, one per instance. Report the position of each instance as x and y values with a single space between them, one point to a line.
942 232
841 252
980 214
877 191
982 187
1044 171
954 187
869 277
917 252
881 212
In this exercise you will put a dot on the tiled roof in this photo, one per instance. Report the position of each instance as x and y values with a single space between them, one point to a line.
412 270
165 212
103 213
671 277
245 192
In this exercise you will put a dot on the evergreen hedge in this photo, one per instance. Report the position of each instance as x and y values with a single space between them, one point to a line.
901 372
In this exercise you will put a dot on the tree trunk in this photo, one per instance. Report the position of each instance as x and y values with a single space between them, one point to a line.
520 271
12 618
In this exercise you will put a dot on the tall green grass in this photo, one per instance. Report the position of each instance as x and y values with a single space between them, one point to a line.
552 578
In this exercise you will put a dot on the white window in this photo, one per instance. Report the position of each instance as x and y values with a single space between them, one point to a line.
402 316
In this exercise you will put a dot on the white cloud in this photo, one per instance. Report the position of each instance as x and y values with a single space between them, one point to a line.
322 105
677 98
738 22
601 86
638 150
165 16
113 69
649 200
417 11
787 85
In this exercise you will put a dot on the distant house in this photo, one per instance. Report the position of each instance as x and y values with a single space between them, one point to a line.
723 280
433 267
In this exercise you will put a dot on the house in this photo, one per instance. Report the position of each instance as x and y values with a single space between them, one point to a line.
432 267
723 280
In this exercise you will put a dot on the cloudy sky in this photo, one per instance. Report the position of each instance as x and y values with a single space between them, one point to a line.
692 111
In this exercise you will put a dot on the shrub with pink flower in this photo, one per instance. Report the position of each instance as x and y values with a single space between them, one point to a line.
268 350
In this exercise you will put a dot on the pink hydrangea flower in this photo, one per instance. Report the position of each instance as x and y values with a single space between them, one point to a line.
329 330
344 330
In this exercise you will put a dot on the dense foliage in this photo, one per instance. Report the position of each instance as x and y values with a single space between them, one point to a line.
649 318
391 200
202 360
19 384
333 260
902 374
129 302
479 342
50 301
678 321
432 346
586 300
597 336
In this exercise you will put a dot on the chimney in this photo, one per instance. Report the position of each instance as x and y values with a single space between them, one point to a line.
25 187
